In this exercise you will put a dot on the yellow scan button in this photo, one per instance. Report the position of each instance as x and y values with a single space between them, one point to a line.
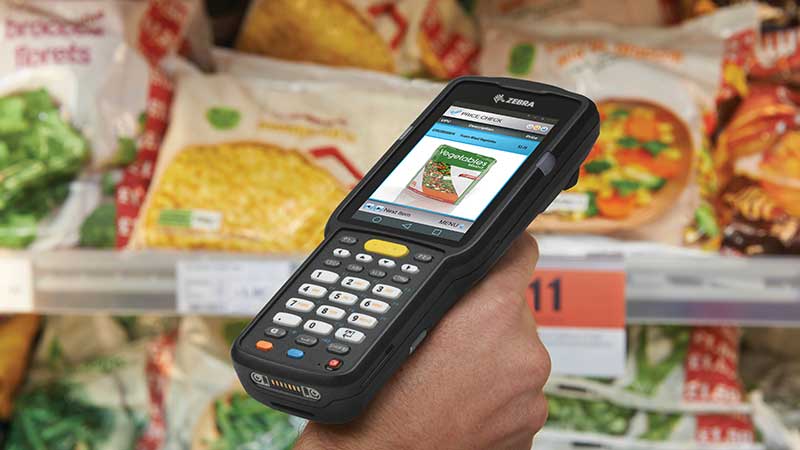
386 248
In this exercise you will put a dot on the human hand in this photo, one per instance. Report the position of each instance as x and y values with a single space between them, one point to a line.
476 383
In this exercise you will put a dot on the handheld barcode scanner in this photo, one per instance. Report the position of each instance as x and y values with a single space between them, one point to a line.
424 225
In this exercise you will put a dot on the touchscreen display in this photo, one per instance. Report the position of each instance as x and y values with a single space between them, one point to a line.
453 173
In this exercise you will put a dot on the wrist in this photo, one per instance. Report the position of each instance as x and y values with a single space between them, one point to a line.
320 437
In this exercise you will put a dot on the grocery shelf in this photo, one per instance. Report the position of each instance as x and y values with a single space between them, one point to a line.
664 288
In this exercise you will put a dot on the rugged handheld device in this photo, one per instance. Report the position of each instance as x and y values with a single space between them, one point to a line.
424 225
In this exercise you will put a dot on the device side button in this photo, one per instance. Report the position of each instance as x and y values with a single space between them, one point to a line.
418 340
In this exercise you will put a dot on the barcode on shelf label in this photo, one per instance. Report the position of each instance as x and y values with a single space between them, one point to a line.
228 287
16 285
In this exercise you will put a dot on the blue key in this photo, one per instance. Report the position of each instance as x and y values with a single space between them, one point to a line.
295 353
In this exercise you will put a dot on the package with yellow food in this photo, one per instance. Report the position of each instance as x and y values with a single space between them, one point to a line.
655 88
410 37
257 164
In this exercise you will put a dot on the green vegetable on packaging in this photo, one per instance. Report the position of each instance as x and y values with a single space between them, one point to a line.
99 230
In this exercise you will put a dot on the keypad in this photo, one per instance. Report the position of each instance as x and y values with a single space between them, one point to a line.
348 240
304 339
386 291
400 279
318 327
374 306
357 284
337 348
350 335
286 319
423 257
363 258
409 268
299 305
330 312
362 321
355 268
342 302
387 263
275 332
341 253
312 290
324 276
343 298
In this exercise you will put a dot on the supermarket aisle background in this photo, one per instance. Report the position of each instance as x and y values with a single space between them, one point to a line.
164 164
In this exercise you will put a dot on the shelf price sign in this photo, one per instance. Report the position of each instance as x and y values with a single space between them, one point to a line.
228 287
16 285
579 307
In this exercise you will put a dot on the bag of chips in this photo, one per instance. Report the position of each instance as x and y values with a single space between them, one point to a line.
254 164
411 37
655 88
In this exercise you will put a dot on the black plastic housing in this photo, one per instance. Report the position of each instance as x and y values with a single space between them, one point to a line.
344 394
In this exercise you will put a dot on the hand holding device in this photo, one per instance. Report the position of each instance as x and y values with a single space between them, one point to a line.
476 383
426 223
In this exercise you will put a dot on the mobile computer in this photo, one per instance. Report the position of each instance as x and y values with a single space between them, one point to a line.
426 223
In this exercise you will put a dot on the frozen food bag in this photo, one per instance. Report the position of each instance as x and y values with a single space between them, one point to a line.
17 334
253 164
105 49
655 89
450 174
76 79
670 369
92 385
41 155
574 424
207 409
757 155
411 37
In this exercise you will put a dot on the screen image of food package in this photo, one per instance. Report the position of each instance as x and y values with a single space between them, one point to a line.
450 174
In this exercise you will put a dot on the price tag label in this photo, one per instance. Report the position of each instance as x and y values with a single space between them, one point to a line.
16 285
579 307
228 287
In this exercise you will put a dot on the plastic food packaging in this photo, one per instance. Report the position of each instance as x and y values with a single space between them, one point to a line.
757 156
90 386
670 369
450 174
655 89
253 164
17 335
414 37
76 80
207 407
573 423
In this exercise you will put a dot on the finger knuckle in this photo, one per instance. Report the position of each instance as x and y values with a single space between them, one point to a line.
539 413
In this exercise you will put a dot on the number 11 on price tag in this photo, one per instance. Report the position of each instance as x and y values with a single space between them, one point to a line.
579 307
